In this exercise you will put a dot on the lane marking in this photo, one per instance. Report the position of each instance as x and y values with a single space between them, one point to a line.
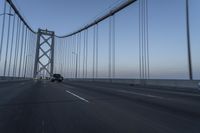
83 99
141 94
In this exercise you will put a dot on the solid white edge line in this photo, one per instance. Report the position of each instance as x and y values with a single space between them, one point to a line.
83 99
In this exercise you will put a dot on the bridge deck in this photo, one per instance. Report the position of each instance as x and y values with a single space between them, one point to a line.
75 107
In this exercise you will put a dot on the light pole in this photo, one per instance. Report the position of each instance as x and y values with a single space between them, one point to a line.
188 39
76 74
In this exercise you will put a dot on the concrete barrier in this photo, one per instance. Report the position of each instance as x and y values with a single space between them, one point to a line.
150 82
11 79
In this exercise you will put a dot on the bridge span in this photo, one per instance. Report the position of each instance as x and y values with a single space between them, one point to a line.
110 84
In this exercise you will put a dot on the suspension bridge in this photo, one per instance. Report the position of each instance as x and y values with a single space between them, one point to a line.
95 95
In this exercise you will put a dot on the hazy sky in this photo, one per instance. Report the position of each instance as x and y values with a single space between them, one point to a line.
167 32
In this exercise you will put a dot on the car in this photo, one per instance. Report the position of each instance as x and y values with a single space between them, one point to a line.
57 77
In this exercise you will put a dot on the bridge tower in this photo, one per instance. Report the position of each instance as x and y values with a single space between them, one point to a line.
44 57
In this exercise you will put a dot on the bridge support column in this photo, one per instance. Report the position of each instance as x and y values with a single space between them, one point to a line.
44 58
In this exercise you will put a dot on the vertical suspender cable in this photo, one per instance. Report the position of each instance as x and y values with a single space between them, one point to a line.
21 51
147 38
113 48
142 59
11 51
86 61
59 62
65 56
140 62
84 55
142 37
80 42
27 68
68 46
16 40
109 47
70 57
34 47
68 65
25 63
32 53
144 24
143 40
7 43
72 53
17 47
77 53
3 28
94 46
60 49
54 54
24 55
57 55
97 47
60 55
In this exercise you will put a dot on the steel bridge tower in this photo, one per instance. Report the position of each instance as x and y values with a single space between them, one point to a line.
44 58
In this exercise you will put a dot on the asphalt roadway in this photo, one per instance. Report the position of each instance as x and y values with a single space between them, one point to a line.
91 107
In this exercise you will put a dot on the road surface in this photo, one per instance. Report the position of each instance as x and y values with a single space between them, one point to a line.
87 107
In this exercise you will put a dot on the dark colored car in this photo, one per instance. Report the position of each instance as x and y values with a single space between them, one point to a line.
56 77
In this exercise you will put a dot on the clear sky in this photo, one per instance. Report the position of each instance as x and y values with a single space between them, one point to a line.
62 16
167 32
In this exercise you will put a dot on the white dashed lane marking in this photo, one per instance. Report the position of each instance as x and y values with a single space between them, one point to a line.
83 99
